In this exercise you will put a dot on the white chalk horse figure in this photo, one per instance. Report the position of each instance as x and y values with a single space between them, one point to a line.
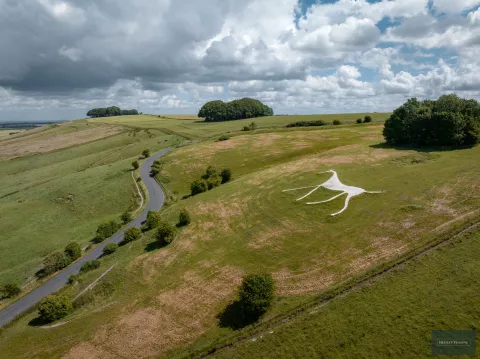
335 185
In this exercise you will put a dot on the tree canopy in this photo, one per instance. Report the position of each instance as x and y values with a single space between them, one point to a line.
234 110
448 121
110 111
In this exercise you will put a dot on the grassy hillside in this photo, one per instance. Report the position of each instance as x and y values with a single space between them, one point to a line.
52 198
167 300
390 318
199 128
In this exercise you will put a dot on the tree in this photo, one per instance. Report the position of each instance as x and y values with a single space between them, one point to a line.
72 279
54 262
256 295
135 165
73 251
106 230
213 182
367 119
253 126
90 265
359 120
165 233
131 234
9 290
146 153
126 217
110 248
448 121
153 220
337 122
226 175
184 218
54 307
198 186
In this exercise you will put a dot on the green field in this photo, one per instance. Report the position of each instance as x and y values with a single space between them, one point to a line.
390 318
166 300
199 128
52 198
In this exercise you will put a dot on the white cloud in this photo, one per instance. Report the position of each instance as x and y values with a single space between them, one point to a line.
454 6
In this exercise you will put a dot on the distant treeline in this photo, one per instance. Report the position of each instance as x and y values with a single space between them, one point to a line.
110 111
234 110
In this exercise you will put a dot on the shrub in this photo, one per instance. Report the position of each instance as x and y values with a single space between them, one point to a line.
131 234
224 138
126 217
73 251
106 230
210 172
54 307
253 126
9 290
72 279
448 121
90 265
153 220
198 186
256 295
184 218
213 182
110 248
337 122
367 119
359 120
55 261
246 128
84 299
307 123
146 153
165 233
226 175
135 165
154 171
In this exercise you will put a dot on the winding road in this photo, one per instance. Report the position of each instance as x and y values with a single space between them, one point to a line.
156 201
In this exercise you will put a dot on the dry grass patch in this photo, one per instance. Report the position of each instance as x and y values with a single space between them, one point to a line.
29 145
178 318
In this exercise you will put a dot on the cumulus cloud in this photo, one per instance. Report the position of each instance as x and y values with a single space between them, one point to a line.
163 55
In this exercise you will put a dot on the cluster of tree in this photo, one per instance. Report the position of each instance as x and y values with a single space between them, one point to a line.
58 260
448 121
234 110
110 111
209 180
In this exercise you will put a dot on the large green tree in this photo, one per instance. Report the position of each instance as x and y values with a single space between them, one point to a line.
448 121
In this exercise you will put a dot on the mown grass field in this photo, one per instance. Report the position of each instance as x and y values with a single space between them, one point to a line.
390 318
167 299
51 198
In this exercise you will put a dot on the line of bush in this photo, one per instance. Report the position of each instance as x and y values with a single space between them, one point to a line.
307 123
110 111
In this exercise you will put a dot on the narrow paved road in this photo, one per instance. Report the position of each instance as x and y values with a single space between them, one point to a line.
155 202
